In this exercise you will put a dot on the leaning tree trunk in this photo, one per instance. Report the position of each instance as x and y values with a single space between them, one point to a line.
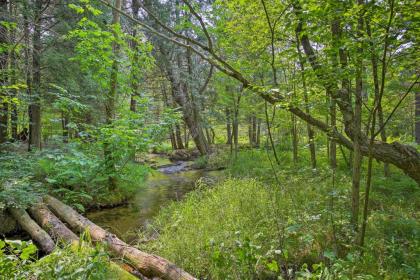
34 230
148 264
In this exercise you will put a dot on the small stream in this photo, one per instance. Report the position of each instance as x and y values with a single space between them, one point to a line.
168 183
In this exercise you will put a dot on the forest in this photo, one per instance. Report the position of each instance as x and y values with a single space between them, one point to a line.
209 139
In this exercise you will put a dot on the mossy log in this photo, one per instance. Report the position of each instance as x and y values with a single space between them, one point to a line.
148 264
35 231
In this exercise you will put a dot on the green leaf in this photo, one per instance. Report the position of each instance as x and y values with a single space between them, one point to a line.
273 266
28 251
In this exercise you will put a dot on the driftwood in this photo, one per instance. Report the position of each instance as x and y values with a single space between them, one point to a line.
148 264
31 227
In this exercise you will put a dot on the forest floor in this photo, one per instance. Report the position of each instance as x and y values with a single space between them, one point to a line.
263 220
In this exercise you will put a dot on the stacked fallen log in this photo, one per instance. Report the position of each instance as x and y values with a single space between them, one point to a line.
148 264
50 224
30 226
48 221
50 228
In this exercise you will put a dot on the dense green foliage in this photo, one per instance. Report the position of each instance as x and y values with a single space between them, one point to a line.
18 260
295 224
311 108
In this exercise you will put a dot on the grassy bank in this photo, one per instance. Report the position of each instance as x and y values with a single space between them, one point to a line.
268 221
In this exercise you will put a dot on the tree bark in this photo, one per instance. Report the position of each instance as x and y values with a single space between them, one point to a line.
258 132
111 98
228 126
13 78
186 136
148 264
173 140
417 117
35 99
357 131
4 104
50 223
178 135
135 63
270 136
310 131
30 226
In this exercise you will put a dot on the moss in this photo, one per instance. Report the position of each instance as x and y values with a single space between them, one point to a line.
7 224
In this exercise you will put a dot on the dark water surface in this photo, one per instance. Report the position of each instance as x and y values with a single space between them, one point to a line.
167 184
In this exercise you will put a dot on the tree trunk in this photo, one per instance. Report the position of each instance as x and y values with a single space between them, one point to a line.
4 104
294 131
333 124
179 143
200 139
310 131
208 136
186 136
357 154
187 110
135 63
294 138
250 132
228 126
270 136
13 78
254 130
173 140
258 140
417 117
235 129
111 99
35 99
30 226
147 264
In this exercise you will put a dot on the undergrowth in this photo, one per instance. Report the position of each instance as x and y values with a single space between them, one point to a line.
19 260
290 221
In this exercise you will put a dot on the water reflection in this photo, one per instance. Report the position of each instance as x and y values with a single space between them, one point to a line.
159 189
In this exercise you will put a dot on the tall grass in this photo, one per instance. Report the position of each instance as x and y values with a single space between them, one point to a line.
269 221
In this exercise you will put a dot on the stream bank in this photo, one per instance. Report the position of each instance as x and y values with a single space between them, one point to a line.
169 182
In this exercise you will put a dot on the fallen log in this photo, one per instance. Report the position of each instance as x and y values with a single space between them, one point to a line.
31 227
60 232
49 222
148 264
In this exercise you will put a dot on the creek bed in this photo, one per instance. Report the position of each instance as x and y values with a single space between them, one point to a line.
167 183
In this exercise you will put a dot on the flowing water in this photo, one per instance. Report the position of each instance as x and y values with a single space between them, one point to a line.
168 183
